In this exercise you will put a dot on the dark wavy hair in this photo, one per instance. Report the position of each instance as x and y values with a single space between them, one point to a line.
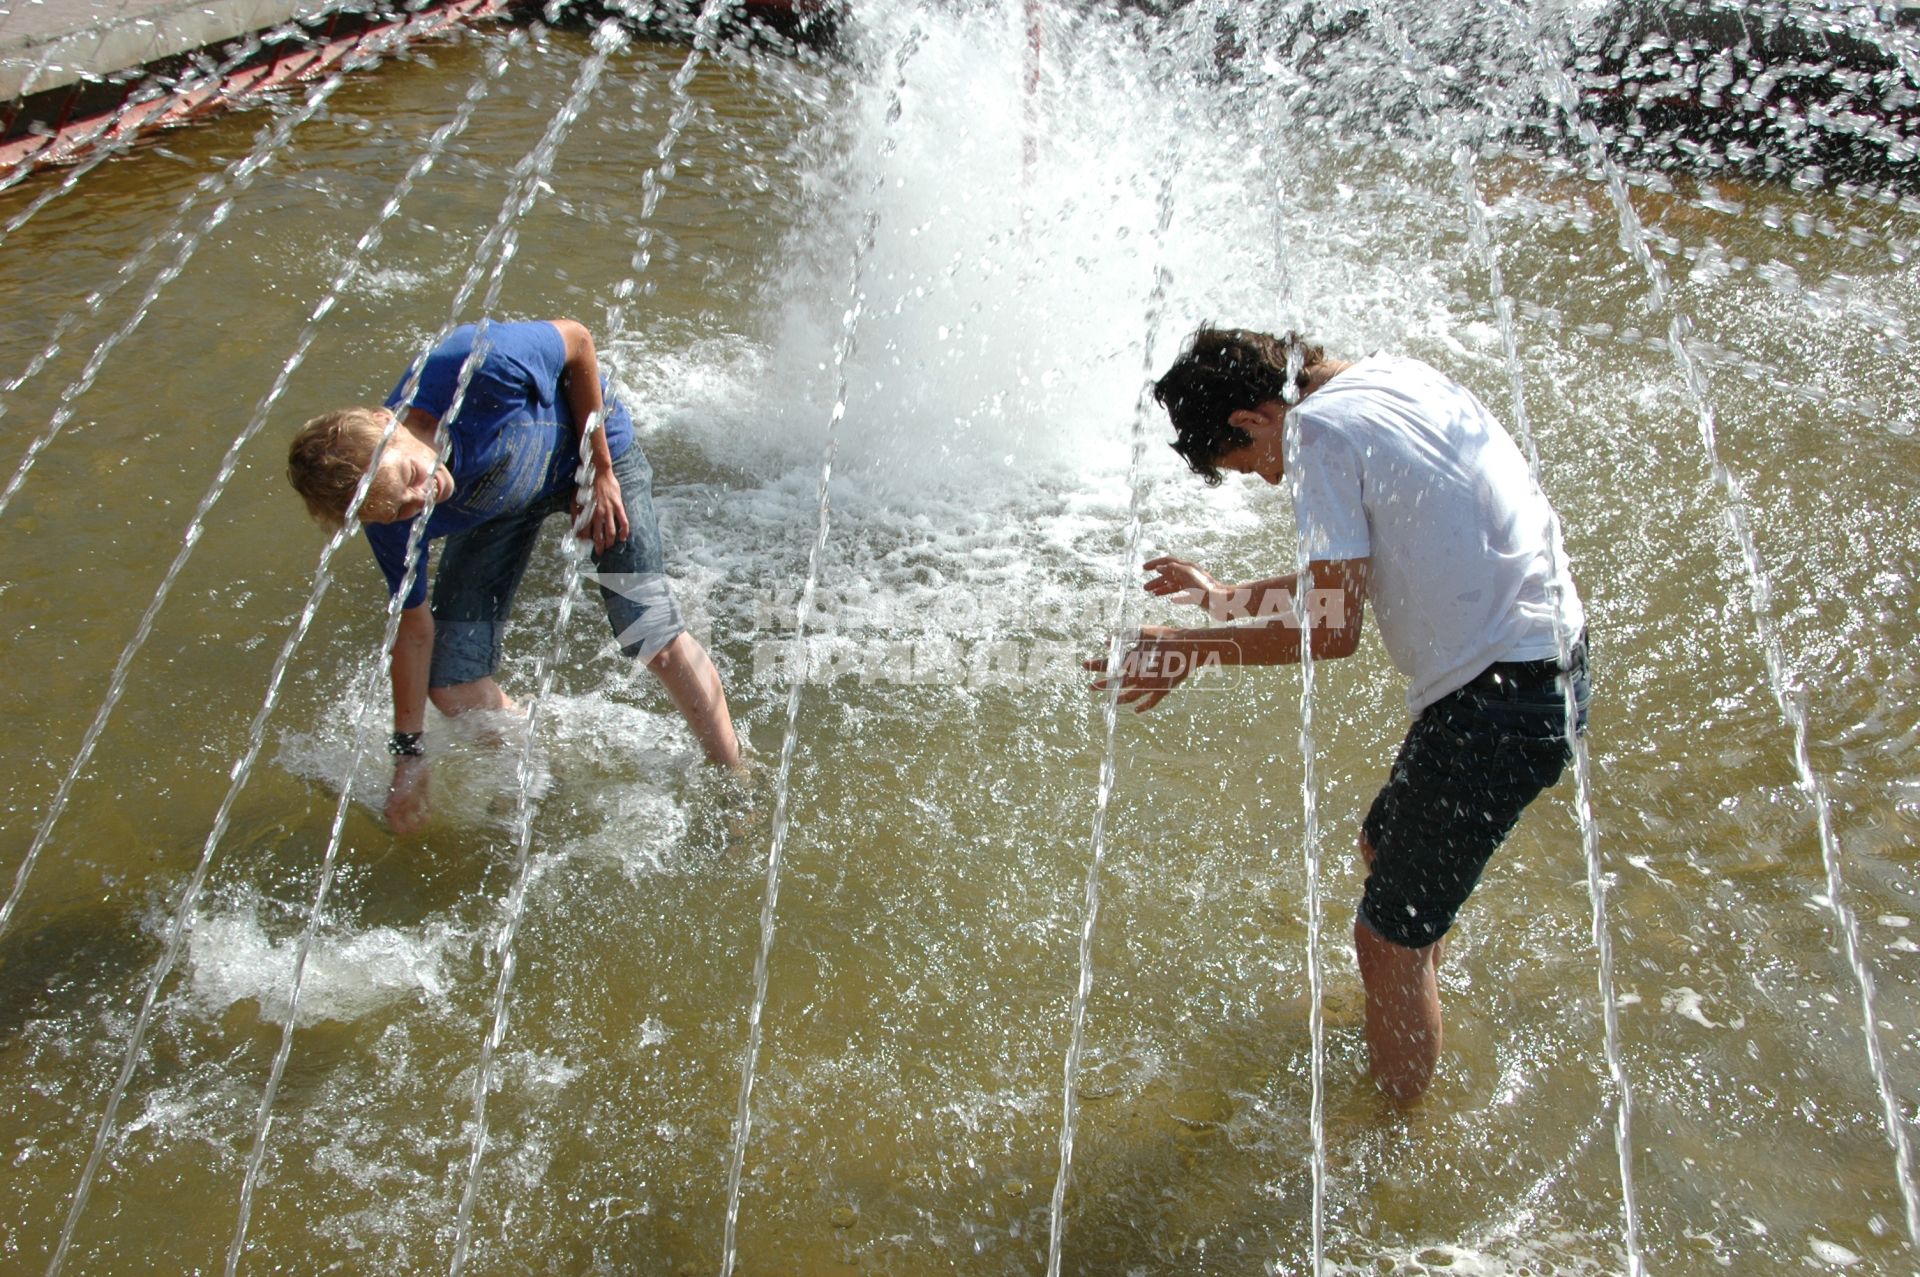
1221 371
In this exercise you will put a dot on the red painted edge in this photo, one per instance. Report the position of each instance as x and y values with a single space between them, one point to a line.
75 140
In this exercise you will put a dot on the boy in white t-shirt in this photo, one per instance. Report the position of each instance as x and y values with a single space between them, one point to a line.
1410 496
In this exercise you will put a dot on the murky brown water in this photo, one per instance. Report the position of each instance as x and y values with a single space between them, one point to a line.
907 1107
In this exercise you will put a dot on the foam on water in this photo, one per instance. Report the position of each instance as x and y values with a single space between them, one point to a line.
350 975
389 281
625 777
474 775
595 728
1543 1253
635 825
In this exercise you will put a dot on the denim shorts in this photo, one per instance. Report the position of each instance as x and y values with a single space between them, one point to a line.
1469 766
480 570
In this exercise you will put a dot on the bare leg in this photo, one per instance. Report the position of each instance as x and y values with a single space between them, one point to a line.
693 684
1404 1032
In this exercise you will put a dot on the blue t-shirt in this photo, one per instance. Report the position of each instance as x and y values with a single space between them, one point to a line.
514 440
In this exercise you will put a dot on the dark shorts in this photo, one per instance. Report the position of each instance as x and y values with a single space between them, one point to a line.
1469 766
480 571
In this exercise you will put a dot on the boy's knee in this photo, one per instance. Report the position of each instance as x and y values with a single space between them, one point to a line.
1386 960
453 701
677 653
1378 956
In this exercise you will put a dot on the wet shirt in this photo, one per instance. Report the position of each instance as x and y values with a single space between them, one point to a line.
513 439
1395 462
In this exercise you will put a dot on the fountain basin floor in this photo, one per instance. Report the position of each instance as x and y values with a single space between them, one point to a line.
906 1112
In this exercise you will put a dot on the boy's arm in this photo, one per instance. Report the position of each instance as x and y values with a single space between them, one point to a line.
607 524
1336 607
1271 597
1179 581
407 802
1162 657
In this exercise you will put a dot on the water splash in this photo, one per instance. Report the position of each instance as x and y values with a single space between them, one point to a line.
653 182
116 681
94 301
845 347
115 144
514 908
1479 237
436 146
1559 576
243 769
1310 847
1271 130
1781 678
1310 851
208 187
869 341
196 883
501 244
46 63
1109 761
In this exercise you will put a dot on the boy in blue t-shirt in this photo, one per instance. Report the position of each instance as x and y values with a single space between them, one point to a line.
513 446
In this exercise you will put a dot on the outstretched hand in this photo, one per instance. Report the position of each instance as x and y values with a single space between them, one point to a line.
1154 665
1179 581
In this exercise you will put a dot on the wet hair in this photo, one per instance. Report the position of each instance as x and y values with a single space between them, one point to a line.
329 455
1221 372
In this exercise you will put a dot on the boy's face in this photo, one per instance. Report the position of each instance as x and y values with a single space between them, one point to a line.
1266 455
408 471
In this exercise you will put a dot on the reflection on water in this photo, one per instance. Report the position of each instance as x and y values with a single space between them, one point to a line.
906 1107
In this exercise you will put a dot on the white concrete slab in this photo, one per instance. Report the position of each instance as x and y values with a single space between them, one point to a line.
49 44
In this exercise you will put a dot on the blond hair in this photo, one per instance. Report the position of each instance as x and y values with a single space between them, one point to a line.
329 455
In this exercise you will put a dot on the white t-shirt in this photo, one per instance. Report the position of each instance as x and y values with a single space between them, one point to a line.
1394 461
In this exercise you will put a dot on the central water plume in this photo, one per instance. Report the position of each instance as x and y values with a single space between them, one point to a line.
1002 338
